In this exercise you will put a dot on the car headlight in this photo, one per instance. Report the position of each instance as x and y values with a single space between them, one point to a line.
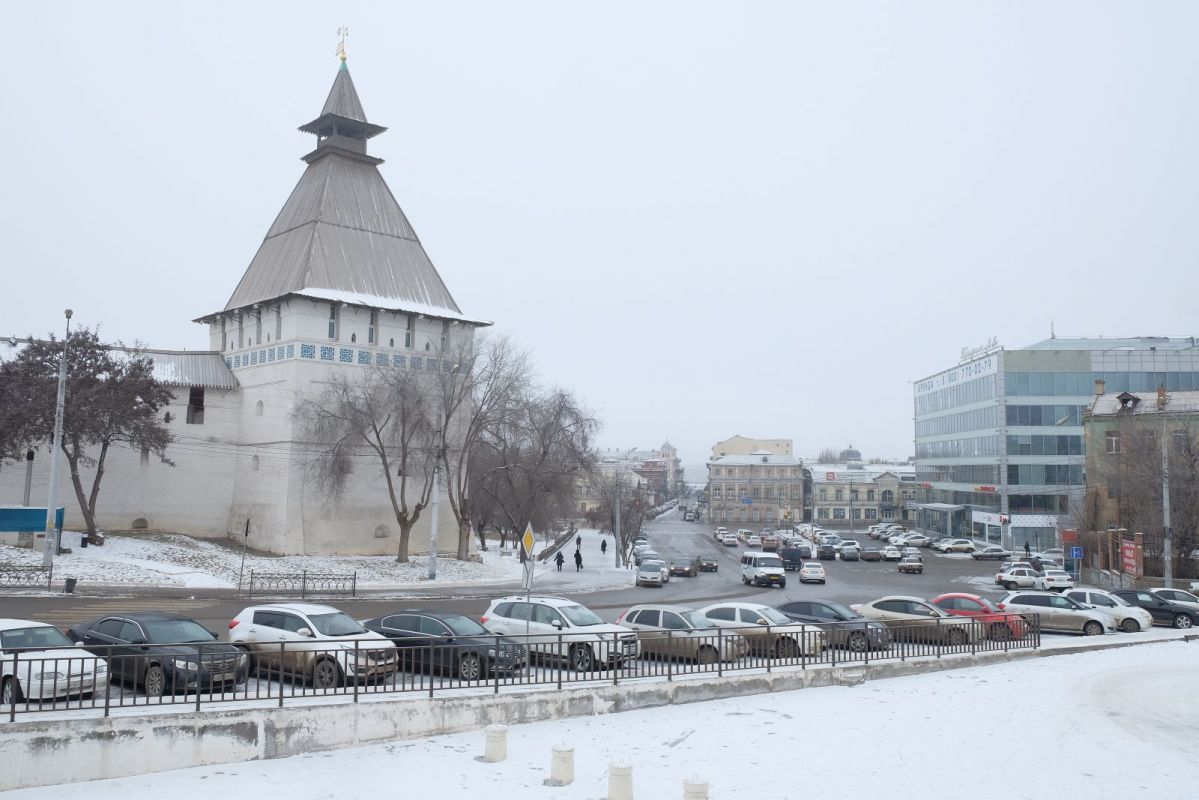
47 676
182 663
492 652
242 660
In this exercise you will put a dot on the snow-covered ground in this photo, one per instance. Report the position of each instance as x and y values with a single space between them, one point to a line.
167 559
1114 724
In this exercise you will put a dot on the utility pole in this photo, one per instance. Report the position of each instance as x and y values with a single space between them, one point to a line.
433 516
1167 531
616 525
56 453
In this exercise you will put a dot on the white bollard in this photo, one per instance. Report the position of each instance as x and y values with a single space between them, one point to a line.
695 789
496 748
562 766
620 781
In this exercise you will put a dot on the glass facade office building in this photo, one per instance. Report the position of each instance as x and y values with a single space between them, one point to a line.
1001 433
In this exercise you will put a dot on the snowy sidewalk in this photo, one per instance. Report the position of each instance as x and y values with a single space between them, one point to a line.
1113 724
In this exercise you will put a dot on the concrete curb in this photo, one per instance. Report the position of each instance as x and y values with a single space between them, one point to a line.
38 752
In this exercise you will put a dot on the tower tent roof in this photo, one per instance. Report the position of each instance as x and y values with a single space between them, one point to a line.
341 235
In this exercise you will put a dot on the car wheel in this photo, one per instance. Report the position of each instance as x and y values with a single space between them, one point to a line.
10 693
325 674
1130 625
1092 629
707 655
782 584
786 648
1010 585
470 667
1000 632
955 637
581 659
1183 621
154 682
251 661
857 642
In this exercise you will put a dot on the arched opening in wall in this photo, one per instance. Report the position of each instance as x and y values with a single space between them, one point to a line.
391 342
382 532
258 409
254 464
353 337
139 524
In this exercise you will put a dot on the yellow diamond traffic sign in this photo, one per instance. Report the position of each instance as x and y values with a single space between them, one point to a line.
526 541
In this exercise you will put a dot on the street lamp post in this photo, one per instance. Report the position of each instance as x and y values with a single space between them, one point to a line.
56 452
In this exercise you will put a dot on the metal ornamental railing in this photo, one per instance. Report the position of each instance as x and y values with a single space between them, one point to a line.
304 584
103 679
21 577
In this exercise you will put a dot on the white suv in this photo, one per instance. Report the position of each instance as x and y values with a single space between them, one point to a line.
562 629
320 643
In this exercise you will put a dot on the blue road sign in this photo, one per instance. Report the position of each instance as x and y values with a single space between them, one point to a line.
1076 553
746 501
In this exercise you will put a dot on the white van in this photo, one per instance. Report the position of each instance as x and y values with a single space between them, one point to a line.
762 569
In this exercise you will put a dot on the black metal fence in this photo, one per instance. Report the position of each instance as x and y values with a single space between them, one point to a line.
304 584
21 577
102 679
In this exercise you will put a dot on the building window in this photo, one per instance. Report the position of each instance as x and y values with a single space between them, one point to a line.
757 493
333 320
888 496
869 494
410 332
372 327
224 335
857 513
258 325
241 330
391 342
853 495
824 494
840 494
254 463
822 513
872 513
1112 440
195 406
445 334
278 323
353 338
258 409
838 513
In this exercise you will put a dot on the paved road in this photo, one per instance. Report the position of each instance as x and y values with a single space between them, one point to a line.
847 582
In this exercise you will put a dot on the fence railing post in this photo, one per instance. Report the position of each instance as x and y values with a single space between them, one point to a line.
12 698
303 584
250 588
354 585
669 655
568 664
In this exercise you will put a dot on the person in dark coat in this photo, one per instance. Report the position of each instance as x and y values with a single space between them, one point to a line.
604 546
559 560
578 561
579 542
1027 550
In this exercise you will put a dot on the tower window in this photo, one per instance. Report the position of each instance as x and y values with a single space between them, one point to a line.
195 406
278 323
374 326
333 320
224 335
410 333
241 330
258 325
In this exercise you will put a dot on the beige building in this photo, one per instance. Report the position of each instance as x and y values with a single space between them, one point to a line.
759 486
858 495
743 446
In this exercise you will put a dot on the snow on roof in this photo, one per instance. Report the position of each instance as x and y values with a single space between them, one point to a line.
386 303
1176 403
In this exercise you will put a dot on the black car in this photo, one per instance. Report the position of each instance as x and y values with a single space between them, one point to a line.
793 557
708 564
445 641
826 552
1164 611
687 567
162 653
845 627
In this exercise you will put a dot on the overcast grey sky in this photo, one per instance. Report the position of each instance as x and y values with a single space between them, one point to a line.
705 218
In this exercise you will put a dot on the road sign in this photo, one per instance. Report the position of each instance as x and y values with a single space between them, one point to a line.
1076 553
527 541
746 501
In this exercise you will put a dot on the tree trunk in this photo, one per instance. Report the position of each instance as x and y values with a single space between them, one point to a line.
405 532
91 499
463 539
88 518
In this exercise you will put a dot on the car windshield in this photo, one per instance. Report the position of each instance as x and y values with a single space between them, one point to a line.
770 561
774 615
696 619
841 610
1120 601
681 562
335 624
1057 573
463 626
651 565
41 636
986 604
580 616
177 630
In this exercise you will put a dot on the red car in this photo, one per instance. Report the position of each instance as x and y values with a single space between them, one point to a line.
1000 625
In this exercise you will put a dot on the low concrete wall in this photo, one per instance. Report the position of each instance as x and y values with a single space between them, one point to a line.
43 752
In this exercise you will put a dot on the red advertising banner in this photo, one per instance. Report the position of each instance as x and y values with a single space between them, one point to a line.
1069 536
1130 558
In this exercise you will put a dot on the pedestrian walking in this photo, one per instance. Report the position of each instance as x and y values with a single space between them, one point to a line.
559 560
1027 550
579 542
604 546
578 561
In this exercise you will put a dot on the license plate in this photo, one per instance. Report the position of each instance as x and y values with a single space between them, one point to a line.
224 676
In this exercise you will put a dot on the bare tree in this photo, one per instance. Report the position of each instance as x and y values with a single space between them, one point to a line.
828 456
615 488
384 416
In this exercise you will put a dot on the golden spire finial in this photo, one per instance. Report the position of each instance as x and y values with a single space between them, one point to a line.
343 32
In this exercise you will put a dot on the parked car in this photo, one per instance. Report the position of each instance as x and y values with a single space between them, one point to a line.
1000 626
561 629
162 653
708 564
1056 612
1053 580
650 573
719 532
645 555
844 543
1127 617
448 642
1018 578
871 554
991 553
917 540
770 542
956 546
851 554
320 643
753 540
793 557
891 553
687 567
914 620
911 552
1165 612
38 662
826 552
729 540
769 631
1005 566
762 569
812 572
911 564
845 628
1179 597
680 632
